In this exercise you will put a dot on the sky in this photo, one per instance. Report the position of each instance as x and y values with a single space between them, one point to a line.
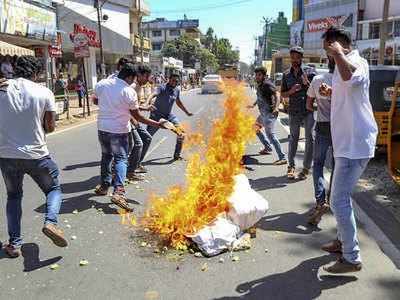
239 21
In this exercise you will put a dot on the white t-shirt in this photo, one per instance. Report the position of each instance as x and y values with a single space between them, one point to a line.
323 103
353 126
116 100
22 107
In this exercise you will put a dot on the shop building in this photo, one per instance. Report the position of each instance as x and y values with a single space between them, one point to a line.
319 15
161 30
119 29
368 31
28 28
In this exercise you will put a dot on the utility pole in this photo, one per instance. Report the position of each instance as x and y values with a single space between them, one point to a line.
267 21
140 31
99 17
384 32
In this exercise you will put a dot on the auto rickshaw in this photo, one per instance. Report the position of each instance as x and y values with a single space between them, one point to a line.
385 100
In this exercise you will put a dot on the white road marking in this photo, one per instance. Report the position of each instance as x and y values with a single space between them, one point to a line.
199 111
155 147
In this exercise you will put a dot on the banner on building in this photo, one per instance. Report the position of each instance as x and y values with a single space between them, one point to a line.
324 23
296 33
28 20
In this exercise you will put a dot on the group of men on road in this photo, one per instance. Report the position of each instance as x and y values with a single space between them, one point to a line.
124 140
345 123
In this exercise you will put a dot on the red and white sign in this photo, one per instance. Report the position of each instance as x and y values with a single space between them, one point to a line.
325 23
81 45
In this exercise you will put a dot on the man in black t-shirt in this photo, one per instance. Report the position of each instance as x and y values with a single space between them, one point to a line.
268 104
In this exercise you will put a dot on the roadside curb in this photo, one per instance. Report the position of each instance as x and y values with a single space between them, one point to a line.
373 229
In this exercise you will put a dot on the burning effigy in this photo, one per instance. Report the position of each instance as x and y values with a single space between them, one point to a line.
217 201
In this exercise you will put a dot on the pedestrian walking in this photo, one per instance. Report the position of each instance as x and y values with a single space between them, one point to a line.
80 89
260 132
354 134
27 114
118 102
295 83
268 105
323 139
166 96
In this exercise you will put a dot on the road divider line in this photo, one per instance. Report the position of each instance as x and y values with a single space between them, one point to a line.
199 111
155 147
71 128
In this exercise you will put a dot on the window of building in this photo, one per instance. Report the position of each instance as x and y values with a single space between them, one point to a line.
374 30
360 31
157 47
396 28
174 32
156 33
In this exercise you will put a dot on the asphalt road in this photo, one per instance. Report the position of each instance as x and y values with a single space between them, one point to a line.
120 269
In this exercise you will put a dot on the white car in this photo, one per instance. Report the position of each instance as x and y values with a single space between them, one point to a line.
211 84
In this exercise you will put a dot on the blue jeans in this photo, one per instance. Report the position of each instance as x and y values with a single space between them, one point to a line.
261 134
152 131
269 122
346 175
295 122
321 146
140 137
114 146
45 173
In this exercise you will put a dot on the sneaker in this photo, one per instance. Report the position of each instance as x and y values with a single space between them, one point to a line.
303 174
119 199
280 162
55 234
334 246
318 213
102 190
176 158
132 176
141 170
265 152
290 173
342 266
12 251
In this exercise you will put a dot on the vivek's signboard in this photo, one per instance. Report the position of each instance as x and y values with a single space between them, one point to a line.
83 38
324 23
28 20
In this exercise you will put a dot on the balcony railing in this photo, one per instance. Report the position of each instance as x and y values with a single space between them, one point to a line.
136 42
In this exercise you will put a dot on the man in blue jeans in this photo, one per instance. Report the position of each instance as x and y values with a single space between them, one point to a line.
166 96
354 134
268 105
295 83
323 139
118 102
27 113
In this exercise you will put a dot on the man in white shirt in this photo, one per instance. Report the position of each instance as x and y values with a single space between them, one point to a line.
117 104
323 139
27 113
354 133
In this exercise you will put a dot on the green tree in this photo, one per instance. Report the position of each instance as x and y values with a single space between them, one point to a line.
208 61
208 39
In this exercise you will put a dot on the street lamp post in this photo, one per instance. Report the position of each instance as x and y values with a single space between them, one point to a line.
384 32
99 17
140 31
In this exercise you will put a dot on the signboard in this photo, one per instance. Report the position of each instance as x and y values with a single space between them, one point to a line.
188 23
324 23
81 45
28 20
91 35
56 49
296 34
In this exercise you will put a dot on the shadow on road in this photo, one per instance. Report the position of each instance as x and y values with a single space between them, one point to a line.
80 186
83 165
288 222
32 262
301 283
268 183
249 160
84 202
159 162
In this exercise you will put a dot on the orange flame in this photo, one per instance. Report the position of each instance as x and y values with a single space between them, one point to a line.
210 181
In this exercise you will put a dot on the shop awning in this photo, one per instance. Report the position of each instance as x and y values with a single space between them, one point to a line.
10 49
